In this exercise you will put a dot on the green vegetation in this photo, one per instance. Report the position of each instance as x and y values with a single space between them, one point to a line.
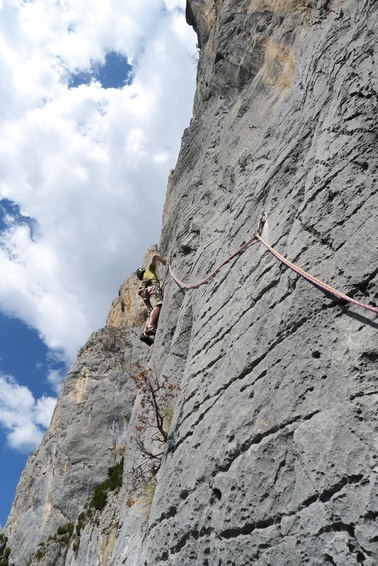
67 529
113 482
80 523
62 537
99 498
4 551
70 533
5 558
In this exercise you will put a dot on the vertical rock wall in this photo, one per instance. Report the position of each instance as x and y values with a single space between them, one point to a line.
56 518
272 454
85 438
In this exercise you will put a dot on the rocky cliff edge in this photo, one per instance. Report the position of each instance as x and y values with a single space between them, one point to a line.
271 457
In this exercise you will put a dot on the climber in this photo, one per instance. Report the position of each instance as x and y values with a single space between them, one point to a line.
152 296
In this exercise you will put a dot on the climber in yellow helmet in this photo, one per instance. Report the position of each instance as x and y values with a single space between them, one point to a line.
152 296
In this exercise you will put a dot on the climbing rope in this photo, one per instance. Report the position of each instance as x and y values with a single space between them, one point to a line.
313 280
282 259
195 285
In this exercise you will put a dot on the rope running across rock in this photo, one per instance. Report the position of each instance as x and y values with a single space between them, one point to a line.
195 285
282 259
313 280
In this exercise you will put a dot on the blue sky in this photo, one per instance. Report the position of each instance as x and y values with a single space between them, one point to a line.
93 109
24 359
114 72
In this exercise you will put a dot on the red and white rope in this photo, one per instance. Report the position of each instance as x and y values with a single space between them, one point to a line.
313 280
281 258
195 285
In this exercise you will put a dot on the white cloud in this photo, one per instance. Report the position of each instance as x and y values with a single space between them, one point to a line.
89 165
55 378
23 418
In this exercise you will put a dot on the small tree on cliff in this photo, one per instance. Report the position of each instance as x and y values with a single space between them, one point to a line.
153 421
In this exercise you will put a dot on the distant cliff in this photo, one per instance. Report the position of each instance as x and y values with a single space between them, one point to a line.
271 456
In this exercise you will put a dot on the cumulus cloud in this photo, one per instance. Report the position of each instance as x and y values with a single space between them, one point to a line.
23 417
55 378
86 166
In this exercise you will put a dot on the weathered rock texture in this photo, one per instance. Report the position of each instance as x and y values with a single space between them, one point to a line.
85 438
272 455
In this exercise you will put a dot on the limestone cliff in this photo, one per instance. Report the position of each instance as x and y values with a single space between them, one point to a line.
272 455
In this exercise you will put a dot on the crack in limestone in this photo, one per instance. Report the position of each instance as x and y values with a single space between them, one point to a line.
354 546
248 528
258 438
219 337
247 370
193 534
323 497
285 155
241 287
216 396
355 211
360 394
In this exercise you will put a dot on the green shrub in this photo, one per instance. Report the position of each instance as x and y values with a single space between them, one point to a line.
113 482
80 522
99 497
115 476
70 533
65 530
76 546
4 550
40 554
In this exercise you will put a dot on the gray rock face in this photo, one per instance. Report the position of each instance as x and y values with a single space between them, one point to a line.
272 455
86 437
273 458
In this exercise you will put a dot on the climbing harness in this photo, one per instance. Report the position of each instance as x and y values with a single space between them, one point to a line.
257 238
